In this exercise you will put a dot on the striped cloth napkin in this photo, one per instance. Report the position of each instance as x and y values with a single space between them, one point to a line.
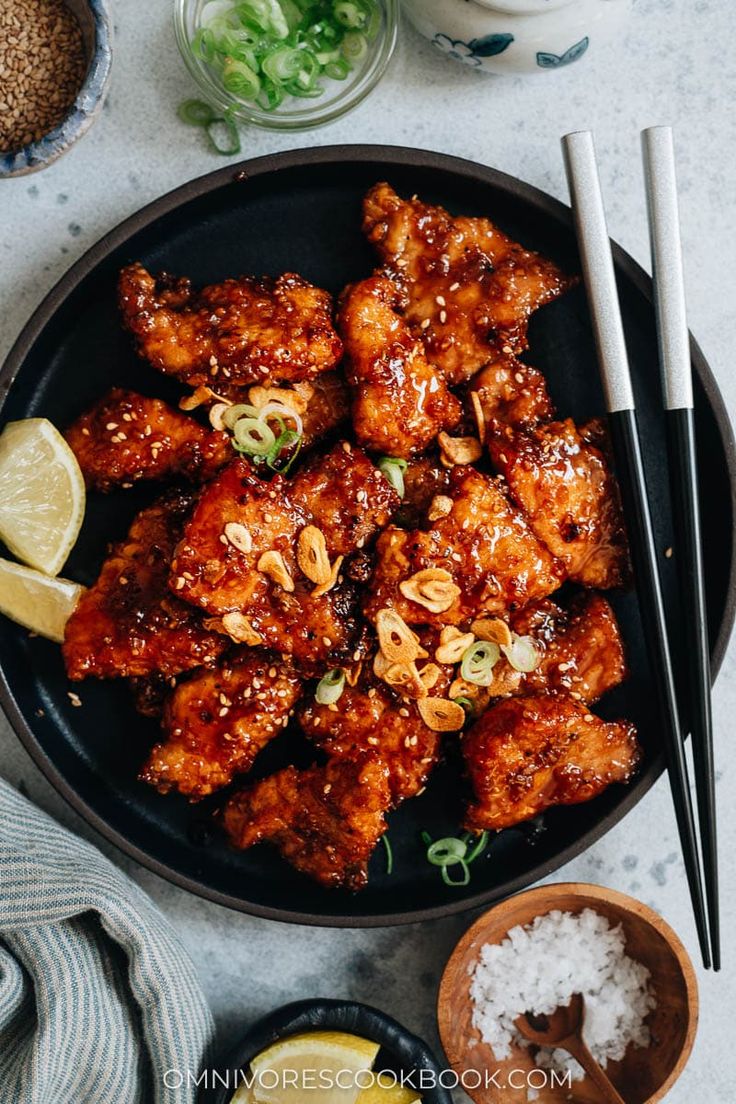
98 998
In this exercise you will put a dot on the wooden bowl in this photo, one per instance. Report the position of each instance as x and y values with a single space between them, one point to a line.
644 1075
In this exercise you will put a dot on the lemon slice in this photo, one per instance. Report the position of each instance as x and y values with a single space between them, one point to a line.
381 1093
41 494
306 1067
39 602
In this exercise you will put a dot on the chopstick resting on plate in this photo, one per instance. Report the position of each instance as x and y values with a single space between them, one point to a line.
677 386
600 282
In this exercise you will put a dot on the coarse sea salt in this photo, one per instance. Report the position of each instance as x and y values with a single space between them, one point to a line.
540 966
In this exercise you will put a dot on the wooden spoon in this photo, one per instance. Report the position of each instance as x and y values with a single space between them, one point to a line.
564 1029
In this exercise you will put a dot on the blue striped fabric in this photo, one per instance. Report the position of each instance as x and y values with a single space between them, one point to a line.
98 998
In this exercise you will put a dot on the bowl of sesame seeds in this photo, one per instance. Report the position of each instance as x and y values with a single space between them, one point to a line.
55 59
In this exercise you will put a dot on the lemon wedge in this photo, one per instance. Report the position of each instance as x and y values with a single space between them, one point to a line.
42 494
37 601
306 1067
381 1093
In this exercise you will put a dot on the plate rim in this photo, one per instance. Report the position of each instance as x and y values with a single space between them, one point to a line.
399 156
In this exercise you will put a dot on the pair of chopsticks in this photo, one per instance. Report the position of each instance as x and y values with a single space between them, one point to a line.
694 714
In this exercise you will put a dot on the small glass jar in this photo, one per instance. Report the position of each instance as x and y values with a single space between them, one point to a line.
293 114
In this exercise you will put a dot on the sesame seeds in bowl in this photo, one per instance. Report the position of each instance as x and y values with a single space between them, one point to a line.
55 58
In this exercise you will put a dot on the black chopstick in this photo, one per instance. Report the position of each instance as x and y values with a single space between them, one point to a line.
676 369
600 282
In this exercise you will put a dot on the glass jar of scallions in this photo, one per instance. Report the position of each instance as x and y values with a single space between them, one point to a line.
285 64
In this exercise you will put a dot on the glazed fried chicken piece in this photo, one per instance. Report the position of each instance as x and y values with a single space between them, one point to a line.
325 821
129 624
470 288
528 753
400 400
582 650
370 718
227 335
327 407
241 518
425 479
216 722
566 487
487 557
510 393
322 404
126 437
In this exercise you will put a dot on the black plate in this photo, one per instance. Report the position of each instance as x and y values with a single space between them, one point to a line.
402 1054
301 211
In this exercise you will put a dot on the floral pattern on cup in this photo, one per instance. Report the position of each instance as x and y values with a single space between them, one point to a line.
472 52
554 61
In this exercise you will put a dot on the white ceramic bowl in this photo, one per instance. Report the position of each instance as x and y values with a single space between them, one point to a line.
518 36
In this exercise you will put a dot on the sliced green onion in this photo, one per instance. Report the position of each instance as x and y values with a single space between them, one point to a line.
266 14
330 687
461 881
239 79
389 854
270 97
253 437
337 70
237 411
478 662
393 469
225 128
453 852
283 64
479 847
282 444
195 113
445 852
265 50
203 44
351 13
354 46
300 91
466 704
522 653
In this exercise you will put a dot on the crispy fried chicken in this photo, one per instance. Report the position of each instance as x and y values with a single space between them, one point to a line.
217 721
326 821
400 401
483 545
470 288
566 487
240 518
129 623
230 334
127 437
527 753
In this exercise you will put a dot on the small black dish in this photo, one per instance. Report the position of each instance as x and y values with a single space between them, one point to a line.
401 1052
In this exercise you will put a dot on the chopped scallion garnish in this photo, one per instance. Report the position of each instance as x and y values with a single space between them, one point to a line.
330 687
223 136
196 113
467 705
389 854
478 662
282 444
253 436
265 50
393 469
452 851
